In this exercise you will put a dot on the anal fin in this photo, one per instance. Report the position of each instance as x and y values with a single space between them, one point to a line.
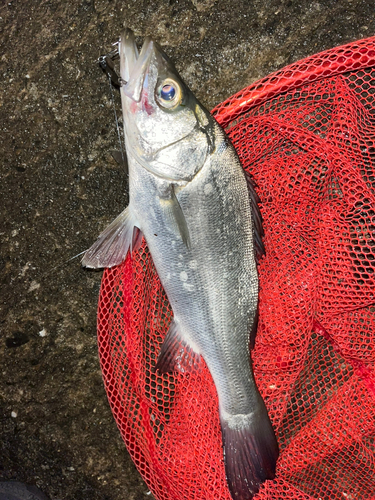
176 354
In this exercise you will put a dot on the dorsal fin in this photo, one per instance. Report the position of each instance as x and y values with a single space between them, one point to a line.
256 216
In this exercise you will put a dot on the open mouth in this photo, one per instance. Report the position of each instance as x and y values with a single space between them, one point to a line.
134 65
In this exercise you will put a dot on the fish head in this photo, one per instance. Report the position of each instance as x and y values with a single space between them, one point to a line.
166 129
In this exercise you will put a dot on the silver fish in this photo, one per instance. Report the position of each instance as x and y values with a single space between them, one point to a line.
189 198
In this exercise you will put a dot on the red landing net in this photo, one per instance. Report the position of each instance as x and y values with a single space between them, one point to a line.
307 136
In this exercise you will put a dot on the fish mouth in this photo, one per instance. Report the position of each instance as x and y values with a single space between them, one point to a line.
134 65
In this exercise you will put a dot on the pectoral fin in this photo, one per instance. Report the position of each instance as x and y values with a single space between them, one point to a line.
175 216
111 247
176 354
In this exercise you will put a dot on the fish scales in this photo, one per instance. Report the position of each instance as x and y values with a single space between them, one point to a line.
189 198
219 295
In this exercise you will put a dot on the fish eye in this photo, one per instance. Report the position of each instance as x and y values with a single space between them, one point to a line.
169 94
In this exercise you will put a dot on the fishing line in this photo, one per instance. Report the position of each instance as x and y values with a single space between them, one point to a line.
113 80
116 120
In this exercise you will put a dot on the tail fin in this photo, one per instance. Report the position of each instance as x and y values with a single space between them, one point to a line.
250 452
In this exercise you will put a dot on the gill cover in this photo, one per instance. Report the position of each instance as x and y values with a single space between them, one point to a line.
167 131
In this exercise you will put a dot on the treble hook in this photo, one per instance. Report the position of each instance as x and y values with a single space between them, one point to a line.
107 64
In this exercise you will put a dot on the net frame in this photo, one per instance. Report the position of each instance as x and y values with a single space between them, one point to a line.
309 126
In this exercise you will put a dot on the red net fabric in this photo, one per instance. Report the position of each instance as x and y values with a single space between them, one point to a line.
307 135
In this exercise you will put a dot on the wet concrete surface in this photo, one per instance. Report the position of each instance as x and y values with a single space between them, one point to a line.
59 187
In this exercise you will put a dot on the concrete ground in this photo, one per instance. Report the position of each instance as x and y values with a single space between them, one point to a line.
60 187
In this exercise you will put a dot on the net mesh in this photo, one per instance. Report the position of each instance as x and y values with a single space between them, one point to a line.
307 135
